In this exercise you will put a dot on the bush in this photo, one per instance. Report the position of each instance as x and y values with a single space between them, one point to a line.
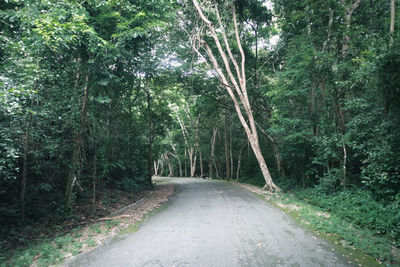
360 209
128 185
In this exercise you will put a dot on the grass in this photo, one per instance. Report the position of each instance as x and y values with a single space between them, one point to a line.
52 251
340 234
136 226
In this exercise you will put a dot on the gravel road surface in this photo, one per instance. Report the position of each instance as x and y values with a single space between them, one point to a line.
213 223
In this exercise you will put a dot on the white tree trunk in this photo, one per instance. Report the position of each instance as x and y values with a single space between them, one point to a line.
212 156
236 86
171 173
190 148
155 168
349 14
239 162
179 163
392 19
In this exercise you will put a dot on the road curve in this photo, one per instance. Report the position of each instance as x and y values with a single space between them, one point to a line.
213 223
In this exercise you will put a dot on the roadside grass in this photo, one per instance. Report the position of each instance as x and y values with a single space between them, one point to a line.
132 228
347 240
51 251
359 244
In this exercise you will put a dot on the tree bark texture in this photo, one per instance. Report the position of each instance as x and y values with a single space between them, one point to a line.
155 165
25 164
149 136
230 143
340 113
185 163
392 20
227 169
212 156
239 161
94 179
277 155
201 164
190 148
179 163
349 13
175 154
171 173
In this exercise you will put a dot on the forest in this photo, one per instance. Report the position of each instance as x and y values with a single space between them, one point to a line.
298 97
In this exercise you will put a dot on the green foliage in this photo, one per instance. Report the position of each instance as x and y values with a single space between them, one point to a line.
360 208
53 53
351 218
357 217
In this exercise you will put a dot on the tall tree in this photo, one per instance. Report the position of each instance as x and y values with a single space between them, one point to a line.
235 86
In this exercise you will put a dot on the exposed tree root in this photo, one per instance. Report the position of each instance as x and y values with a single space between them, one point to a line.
271 187
112 218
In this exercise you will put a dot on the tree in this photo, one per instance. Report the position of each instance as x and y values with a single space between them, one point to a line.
235 86
392 19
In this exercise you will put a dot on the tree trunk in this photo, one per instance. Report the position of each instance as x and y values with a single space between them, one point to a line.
212 156
239 161
192 148
149 136
201 164
180 166
321 87
346 37
344 164
76 157
330 22
179 163
312 110
227 174
193 161
340 95
256 59
278 160
175 154
94 179
392 19
171 173
190 152
277 155
185 164
195 145
161 167
155 163
210 167
230 144
236 86
25 165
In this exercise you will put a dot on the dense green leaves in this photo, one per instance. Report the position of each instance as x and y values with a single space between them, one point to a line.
73 103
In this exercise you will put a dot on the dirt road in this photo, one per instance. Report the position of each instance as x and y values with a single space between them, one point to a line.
212 223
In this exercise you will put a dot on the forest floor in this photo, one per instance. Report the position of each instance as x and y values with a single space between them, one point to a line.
80 236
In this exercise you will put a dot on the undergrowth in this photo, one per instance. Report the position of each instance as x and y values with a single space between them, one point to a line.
353 217
50 251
